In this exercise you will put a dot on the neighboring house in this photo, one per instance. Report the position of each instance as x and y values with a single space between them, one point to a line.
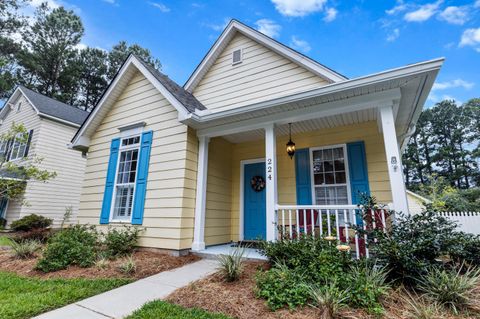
51 125
416 203
206 163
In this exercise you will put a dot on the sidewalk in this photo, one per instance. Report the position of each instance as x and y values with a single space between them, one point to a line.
122 301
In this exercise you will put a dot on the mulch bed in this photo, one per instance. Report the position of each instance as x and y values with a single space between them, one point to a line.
238 300
148 263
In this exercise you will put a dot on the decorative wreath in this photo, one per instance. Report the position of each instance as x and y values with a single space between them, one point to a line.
257 183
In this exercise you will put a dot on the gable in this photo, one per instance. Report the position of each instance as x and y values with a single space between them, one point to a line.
263 75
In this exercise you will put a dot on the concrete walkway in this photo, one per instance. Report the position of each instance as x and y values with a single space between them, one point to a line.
122 301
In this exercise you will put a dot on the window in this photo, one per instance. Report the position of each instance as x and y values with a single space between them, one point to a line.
126 178
19 146
3 150
19 105
330 176
237 57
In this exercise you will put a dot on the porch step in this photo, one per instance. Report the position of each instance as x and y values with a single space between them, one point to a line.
213 252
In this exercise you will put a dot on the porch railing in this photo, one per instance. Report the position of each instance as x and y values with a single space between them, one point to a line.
339 221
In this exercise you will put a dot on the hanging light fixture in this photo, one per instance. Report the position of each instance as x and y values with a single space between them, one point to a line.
290 144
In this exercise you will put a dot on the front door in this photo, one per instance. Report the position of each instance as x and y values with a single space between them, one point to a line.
254 197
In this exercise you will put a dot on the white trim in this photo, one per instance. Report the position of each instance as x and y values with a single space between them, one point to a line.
120 150
201 195
241 217
271 180
241 57
236 26
423 199
132 60
347 170
53 118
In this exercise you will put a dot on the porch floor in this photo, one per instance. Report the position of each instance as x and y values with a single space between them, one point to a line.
226 249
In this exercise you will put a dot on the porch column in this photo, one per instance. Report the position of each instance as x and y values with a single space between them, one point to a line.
394 159
201 195
271 178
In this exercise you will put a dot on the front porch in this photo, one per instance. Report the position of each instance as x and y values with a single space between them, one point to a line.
317 191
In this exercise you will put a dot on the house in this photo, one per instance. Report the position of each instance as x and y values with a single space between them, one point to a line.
51 125
416 203
206 164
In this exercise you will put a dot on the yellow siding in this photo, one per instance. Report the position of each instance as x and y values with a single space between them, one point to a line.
367 132
263 75
219 192
170 197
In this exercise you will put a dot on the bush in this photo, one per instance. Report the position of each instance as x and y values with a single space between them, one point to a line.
451 288
76 245
129 266
38 234
329 298
231 266
281 286
121 242
30 222
25 249
417 307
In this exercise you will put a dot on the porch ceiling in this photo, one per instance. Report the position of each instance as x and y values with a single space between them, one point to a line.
308 125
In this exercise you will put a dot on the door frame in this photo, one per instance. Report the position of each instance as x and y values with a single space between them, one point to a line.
242 184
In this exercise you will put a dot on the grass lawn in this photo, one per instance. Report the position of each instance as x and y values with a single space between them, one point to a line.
4 241
22 297
164 310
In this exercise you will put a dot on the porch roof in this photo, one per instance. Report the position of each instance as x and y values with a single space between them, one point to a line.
406 87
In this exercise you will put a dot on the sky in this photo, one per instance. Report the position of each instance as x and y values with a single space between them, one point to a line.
355 37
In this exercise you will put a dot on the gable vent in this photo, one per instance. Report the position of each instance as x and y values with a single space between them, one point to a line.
237 57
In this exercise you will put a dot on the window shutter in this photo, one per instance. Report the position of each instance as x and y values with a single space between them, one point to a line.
302 175
110 182
142 173
357 165
27 148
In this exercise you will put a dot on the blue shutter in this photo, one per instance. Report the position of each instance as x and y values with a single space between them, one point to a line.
302 175
110 183
357 164
142 173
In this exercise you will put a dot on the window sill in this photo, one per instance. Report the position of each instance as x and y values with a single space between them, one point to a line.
120 222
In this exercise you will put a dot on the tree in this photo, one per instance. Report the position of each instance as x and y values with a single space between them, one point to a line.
92 77
10 23
23 170
120 52
49 56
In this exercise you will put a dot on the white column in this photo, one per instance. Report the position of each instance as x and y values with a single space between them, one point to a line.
394 159
271 177
201 195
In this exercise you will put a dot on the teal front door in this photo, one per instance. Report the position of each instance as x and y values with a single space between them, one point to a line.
254 205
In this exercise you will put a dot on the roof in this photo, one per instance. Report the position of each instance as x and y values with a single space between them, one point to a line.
421 198
182 95
235 26
51 107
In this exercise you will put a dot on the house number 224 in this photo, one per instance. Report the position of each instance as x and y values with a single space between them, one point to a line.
269 168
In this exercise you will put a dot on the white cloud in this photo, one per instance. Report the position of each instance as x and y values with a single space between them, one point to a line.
457 83
454 15
399 7
298 8
300 45
477 4
160 6
217 26
114 2
51 3
330 14
268 27
423 12
81 46
470 37
393 35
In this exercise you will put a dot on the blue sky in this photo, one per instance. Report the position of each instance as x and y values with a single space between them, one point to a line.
353 37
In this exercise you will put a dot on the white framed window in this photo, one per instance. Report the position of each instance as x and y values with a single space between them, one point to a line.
19 146
125 179
329 172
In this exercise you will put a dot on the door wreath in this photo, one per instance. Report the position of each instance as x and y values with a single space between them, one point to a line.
257 183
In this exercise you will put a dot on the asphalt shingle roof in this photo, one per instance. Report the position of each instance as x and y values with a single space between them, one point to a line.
183 96
52 107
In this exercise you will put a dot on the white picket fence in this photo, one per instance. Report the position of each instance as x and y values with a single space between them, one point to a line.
468 222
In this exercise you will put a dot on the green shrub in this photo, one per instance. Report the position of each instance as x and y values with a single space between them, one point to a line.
25 249
366 284
231 265
38 234
129 266
329 298
76 245
30 222
121 242
453 289
281 286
